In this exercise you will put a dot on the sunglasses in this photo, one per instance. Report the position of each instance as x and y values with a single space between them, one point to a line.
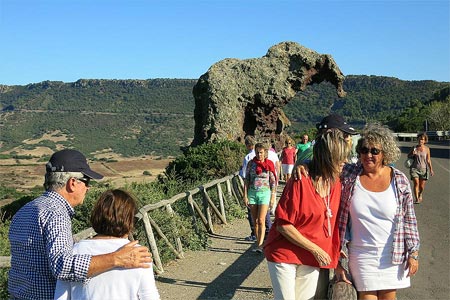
373 151
84 180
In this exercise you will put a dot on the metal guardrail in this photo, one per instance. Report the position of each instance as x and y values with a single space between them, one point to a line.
204 211
439 135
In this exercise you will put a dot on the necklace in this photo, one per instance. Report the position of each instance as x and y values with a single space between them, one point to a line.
328 213
322 185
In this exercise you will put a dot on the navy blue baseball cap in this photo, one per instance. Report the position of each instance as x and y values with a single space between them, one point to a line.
69 160
336 121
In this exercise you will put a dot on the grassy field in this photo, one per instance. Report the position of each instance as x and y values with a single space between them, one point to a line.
23 167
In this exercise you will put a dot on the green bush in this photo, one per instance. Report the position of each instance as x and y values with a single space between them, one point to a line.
208 161
4 251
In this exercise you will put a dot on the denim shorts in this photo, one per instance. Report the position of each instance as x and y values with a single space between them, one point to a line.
259 197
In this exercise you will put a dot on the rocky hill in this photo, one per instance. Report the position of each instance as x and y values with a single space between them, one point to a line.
156 117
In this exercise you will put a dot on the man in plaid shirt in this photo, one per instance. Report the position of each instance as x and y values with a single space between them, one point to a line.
41 234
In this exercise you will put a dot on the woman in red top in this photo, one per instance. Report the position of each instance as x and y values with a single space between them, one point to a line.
288 159
304 236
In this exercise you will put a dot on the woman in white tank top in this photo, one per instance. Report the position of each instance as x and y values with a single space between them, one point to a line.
377 221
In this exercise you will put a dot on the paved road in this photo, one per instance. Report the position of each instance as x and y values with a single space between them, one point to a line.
229 270
433 278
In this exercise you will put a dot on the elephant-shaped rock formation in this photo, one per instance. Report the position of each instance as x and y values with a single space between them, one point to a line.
235 98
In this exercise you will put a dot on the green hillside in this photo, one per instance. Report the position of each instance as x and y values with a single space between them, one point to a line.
138 117
131 117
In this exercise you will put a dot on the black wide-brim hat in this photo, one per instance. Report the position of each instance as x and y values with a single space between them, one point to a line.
69 160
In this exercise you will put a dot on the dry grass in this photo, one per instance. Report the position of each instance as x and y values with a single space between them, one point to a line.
24 174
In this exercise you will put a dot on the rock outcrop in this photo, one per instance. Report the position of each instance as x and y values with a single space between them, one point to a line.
235 98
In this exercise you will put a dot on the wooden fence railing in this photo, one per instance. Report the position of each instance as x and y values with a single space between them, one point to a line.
204 211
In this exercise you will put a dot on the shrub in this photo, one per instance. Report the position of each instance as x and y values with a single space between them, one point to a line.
208 161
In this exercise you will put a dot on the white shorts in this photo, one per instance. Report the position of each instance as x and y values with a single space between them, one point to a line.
287 169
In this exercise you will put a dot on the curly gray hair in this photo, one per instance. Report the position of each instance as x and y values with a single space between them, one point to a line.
377 134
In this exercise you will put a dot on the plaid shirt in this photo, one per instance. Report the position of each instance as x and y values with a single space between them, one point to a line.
406 234
41 248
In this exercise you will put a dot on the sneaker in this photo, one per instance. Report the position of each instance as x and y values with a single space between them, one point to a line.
257 249
250 238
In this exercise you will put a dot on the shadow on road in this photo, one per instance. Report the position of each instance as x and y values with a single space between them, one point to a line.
231 279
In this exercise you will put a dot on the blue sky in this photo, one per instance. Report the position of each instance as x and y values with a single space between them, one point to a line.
66 40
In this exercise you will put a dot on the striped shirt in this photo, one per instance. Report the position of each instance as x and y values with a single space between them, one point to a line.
41 248
406 235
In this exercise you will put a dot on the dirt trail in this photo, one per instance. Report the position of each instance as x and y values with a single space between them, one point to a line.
227 270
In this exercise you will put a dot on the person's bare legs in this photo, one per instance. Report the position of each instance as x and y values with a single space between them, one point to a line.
378 295
287 177
259 213
421 188
416 188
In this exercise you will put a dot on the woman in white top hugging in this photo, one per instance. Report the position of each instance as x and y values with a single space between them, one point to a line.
113 220
377 220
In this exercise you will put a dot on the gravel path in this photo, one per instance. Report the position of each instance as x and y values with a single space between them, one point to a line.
227 270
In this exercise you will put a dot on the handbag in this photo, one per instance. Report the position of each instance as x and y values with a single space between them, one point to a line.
409 162
340 290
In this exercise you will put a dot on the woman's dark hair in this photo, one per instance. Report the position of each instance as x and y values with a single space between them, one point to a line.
423 134
113 214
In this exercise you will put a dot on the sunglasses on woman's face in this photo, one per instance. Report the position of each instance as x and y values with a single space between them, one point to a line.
373 151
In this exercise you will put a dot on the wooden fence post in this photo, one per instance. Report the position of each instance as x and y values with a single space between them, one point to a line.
229 191
210 227
192 210
222 206
236 192
177 239
152 242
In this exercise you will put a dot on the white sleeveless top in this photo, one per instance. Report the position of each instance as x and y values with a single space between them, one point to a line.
372 215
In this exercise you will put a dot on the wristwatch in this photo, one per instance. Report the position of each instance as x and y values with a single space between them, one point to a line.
416 257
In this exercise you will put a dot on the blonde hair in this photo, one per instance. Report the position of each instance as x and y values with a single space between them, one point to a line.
330 151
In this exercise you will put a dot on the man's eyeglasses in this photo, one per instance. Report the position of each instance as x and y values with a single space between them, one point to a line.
373 151
84 180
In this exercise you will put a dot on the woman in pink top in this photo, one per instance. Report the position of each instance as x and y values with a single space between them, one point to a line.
288 158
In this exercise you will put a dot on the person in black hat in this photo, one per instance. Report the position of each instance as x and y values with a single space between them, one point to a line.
329 122
41 234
